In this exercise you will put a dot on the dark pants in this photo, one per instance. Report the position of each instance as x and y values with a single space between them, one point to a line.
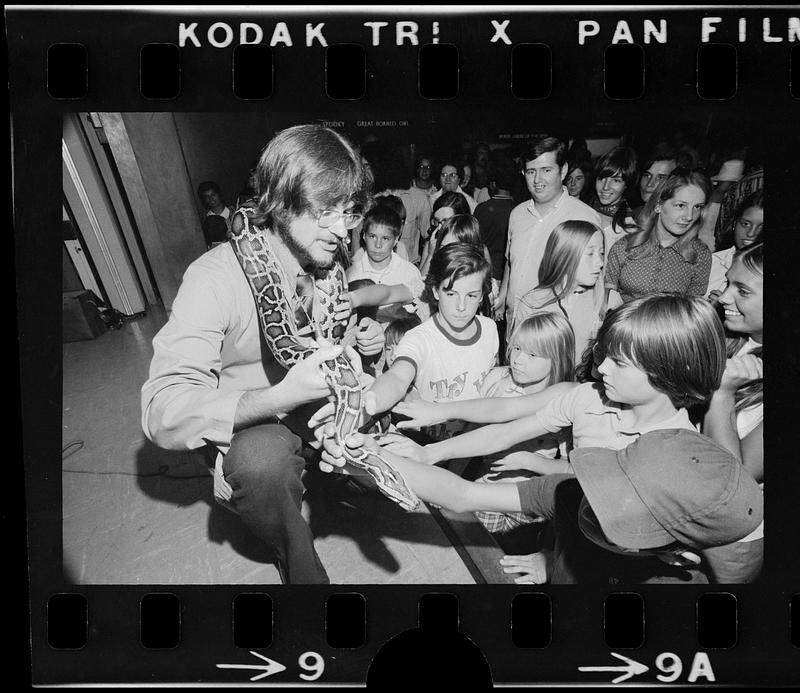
575 559
578 560
263 467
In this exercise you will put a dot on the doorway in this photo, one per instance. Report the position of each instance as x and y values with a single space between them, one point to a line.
101 238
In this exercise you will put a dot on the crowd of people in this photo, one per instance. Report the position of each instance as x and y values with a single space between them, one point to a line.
586 329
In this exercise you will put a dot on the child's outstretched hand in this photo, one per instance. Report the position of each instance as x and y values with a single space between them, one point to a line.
533 568
517 460
404 447
420 413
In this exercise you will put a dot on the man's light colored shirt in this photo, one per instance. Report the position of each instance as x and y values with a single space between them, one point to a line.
207 356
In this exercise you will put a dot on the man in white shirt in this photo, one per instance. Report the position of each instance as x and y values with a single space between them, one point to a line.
532 222
215 386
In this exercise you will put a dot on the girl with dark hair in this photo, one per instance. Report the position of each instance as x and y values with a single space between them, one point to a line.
746 230
580 180
448 355
453 200
464 228
446 205
664 255
655 169
615 173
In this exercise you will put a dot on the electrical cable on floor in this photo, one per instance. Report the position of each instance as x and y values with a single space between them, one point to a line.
73 446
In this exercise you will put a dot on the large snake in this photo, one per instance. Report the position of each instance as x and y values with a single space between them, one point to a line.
277 320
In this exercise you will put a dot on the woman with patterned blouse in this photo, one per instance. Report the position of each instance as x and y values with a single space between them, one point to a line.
665 255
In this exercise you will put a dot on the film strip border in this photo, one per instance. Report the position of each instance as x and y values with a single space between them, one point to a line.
691 637
347 72
98 633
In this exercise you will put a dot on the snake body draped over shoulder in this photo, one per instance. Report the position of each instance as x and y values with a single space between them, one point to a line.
278 326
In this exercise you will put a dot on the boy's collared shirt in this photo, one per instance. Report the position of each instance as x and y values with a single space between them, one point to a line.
597 421
398 271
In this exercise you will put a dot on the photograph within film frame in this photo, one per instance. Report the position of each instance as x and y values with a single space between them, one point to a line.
119 115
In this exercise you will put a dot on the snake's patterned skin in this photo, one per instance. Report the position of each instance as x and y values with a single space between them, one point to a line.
278 325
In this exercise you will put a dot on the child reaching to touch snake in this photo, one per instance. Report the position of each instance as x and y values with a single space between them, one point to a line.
447 357
656 356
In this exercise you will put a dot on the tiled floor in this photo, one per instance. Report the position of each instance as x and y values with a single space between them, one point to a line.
133 513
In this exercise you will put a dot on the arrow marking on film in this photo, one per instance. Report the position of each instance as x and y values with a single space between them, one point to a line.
631 668
271 667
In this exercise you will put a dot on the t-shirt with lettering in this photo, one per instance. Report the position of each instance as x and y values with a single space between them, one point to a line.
448 368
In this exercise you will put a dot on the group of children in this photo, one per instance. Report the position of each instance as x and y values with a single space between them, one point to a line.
601 355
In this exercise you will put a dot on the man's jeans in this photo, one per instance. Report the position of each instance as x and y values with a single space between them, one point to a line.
263 467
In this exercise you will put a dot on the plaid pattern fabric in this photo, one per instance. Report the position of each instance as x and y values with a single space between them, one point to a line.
498 523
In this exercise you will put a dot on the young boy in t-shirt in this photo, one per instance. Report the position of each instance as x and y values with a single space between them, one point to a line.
379 262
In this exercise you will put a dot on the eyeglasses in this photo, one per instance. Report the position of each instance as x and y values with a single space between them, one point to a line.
328 217
449 176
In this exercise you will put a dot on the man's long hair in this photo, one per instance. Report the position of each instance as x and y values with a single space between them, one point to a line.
306 168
